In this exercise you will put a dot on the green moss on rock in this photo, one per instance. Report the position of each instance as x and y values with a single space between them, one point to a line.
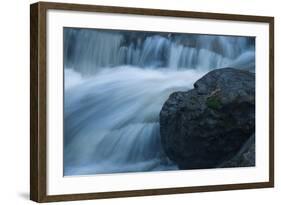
213 102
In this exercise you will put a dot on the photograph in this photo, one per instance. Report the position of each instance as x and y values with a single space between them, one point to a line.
131 101
143 101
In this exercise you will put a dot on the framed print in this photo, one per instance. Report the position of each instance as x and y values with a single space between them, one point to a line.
134 102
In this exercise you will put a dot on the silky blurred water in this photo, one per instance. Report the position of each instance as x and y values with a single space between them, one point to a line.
115 85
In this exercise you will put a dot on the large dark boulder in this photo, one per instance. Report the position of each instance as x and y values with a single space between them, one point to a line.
207 126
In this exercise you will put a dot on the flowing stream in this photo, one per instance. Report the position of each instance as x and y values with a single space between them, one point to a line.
116 83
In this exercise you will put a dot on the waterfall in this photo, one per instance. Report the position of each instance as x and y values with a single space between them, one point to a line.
89 50
116 83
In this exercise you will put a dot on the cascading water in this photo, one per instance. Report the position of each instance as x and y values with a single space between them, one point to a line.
116 83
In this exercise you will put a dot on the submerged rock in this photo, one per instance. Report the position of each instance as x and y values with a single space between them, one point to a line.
206 127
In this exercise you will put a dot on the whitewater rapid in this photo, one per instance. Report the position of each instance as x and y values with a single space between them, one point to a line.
115 84
112 122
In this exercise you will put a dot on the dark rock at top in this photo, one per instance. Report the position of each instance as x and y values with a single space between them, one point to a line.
206 127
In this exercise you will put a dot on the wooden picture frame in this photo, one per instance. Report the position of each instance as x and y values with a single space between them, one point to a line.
39 95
